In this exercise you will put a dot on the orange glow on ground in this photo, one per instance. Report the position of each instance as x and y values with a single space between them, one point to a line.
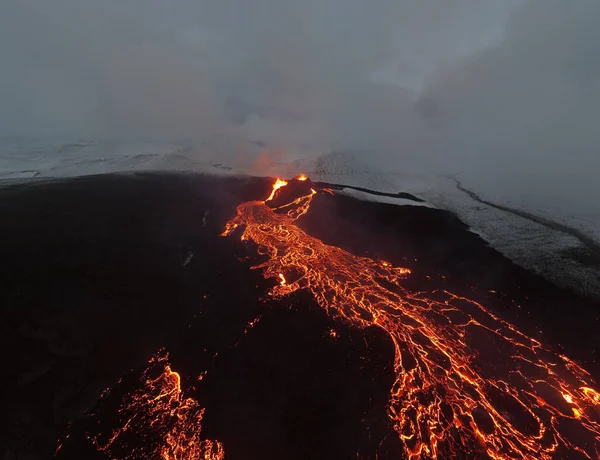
301 177
446 400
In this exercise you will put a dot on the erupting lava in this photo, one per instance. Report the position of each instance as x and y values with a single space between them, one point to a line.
158 422
466 381
276 186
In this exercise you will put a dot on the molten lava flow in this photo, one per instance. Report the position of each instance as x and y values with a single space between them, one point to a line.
276 186
158 422
466 380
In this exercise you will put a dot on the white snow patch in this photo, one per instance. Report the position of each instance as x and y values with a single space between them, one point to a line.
188 259
365 196
205 217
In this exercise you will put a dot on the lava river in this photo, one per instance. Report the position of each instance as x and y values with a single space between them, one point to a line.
448 400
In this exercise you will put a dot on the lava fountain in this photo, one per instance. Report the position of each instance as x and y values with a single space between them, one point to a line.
447 399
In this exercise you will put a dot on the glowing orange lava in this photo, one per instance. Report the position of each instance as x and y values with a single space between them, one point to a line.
301 177
466 381
159 422
276 186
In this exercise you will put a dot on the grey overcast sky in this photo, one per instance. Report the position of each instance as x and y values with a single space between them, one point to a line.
505 86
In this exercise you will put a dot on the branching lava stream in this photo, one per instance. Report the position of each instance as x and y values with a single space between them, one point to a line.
449 398
158 422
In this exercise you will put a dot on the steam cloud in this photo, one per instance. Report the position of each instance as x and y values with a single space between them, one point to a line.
461 85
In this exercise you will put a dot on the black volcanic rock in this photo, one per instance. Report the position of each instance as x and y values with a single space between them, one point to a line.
100 272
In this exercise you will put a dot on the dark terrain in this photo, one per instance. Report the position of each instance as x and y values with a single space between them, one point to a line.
100 272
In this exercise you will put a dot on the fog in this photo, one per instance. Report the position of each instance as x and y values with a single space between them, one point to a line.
499 89
264 67
523 115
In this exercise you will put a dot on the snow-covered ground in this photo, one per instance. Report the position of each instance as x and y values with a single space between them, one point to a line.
561 201
40 159
365 196
557 255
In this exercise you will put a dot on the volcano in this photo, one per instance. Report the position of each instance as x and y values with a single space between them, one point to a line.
184 316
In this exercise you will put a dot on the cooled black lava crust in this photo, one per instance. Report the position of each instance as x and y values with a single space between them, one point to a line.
122 265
